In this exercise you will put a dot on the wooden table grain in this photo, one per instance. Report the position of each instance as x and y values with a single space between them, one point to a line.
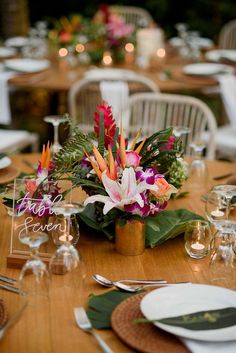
55 331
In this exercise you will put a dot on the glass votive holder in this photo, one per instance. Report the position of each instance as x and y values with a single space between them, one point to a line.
197 239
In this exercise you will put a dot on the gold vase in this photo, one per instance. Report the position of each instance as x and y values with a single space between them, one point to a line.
130 238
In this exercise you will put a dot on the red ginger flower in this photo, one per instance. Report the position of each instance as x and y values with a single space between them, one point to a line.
109 123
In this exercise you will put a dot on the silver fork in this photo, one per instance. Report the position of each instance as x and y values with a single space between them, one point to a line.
83 322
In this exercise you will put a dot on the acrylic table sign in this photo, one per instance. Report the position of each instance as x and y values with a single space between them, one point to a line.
33 219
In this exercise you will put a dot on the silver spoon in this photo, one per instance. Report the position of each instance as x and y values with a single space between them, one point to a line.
107 283
134 289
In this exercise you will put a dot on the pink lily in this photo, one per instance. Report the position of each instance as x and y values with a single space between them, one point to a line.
125 192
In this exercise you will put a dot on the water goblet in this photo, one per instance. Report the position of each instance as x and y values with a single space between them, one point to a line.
34 278
227 191
55 120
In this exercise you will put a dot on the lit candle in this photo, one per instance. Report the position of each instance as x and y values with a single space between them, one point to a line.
197 246
217 213
63 52
65 237
107 59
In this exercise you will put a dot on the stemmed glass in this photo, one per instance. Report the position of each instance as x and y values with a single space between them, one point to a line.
66 266
34 277
223 258
178 131
227 191
198 174
67 209
55 120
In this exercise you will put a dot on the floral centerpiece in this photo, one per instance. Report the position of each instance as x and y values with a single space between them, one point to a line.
124 181
91 39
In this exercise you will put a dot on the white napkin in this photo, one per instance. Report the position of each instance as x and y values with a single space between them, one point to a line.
109 73
209 347
228 94
116 94
5 112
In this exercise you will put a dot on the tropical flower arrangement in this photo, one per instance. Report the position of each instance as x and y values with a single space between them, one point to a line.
90 39
124 181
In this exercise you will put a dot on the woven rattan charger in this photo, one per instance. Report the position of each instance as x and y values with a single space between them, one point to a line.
144 338
3 314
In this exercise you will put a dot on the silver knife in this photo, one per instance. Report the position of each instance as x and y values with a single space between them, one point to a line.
7 279
10 288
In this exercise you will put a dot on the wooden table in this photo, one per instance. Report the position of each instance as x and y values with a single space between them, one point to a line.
60 77
58 333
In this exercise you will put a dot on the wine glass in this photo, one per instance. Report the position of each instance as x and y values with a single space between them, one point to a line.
227 191
66 266
67 209
179 131
34 277
55 120
198 173
223 257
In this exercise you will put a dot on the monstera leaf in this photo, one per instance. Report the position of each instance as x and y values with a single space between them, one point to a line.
167 225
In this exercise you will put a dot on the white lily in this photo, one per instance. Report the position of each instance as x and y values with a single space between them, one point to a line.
121 193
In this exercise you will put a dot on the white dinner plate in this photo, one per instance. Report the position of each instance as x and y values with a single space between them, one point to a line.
17 42
185 299
217 55
207 69
7 52
27 65
202 42
5 162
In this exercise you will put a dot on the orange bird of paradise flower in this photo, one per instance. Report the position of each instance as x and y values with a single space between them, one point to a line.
46 156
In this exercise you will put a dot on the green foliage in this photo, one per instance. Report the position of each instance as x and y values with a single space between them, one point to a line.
74 148
100 307
202 320
167 225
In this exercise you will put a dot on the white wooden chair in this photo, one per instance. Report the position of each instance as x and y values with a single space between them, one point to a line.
134 15
85 95
16 140
156 111
227 37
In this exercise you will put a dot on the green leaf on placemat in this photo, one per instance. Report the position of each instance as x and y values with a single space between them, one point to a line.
100 307
167 225
202 320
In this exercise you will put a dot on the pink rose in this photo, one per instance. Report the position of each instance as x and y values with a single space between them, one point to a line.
132 159
31 186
